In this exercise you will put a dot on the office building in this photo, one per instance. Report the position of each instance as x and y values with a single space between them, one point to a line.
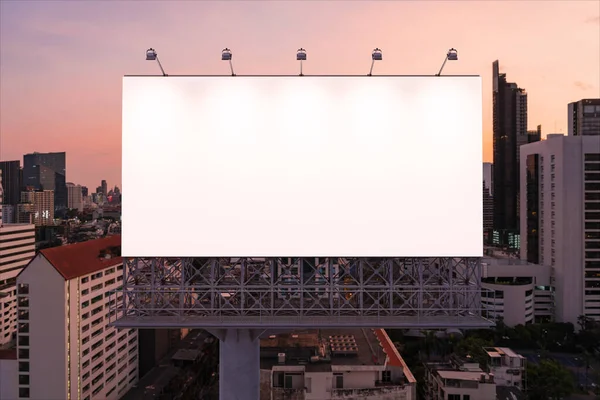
17 248
74 197
47 171
9 213
36 207
104 187
510 132
584 118
560 204
66 348
84 191
11 182
328 364
488 200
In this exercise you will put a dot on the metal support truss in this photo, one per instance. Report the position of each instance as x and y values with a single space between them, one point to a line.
272 293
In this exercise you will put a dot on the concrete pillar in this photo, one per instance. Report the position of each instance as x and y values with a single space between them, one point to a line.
239 363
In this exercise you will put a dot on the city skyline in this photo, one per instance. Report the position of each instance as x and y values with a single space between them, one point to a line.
77 54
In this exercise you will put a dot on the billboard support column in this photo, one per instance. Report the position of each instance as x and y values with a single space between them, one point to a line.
239 363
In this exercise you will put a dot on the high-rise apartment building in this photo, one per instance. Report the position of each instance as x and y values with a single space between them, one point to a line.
584 118
510 132
66 347
74 197
488 201
11 181
47 171
37 207
17 248
104 187
560 224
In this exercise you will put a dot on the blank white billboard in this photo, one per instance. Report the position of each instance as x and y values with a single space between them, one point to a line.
273 166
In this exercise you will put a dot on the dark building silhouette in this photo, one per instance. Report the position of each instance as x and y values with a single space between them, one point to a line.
510 132
84 191
11 181
47 171
584 118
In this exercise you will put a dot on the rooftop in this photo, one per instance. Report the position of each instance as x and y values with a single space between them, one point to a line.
461 375
315 349
327 350
501 351
79 259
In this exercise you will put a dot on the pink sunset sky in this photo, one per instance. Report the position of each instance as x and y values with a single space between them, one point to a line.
62 62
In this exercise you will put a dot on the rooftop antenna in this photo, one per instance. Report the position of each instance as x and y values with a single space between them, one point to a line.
151 55
301 56
226 56
375 56
452 55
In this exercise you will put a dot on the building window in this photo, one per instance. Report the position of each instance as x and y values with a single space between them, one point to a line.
454 397
24 393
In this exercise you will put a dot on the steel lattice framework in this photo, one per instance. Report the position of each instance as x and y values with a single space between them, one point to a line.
271 293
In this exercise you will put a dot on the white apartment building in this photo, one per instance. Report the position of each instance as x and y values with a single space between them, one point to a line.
74 197
334 364
17 248
516 291
66 349
8 374
560 224
507 367
463 378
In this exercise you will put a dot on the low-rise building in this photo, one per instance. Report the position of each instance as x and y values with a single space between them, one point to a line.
334 364
517 291
507 366
464 379
66 348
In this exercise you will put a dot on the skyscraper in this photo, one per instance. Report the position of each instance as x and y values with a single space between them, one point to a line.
75 197
584 118
11 181
104 187
560 203
510 132
488 202
47 171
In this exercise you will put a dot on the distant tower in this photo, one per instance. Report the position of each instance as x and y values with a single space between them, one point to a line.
104 187
584 118
510 132
47 171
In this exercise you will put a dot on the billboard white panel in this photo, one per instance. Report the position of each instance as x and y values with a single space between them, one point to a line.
347 166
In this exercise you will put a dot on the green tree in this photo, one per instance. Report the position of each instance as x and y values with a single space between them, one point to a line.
430 343
472 346
549 380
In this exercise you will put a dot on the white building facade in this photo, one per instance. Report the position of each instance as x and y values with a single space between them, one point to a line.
517 291
74 197
17 248
66 349
560 219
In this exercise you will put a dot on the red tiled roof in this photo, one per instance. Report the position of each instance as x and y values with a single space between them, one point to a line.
75 260
394 358
389 348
